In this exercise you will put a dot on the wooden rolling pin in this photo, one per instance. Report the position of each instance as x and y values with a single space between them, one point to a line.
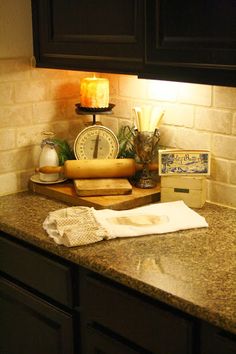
97 168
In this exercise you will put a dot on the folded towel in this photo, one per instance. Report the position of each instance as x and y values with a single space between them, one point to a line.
76 226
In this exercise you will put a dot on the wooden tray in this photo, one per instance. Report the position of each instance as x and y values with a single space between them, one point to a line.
66 192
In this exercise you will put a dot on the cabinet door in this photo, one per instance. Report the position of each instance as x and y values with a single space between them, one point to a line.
216 341
99 342
191 40
150 325
94 35
31 326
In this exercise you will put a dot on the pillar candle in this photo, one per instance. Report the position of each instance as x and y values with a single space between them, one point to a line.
94 92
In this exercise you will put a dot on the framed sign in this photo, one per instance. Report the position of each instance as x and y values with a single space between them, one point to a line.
184 162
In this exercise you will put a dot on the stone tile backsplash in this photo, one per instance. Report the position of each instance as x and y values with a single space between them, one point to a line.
33 100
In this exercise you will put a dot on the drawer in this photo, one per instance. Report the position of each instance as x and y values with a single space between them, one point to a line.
36 271
217 341
145 323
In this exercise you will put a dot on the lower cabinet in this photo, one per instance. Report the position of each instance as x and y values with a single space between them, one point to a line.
216 341
99 342
30 325
123 316
51 306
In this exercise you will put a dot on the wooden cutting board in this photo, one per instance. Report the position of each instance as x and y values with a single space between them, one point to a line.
65 192
102 186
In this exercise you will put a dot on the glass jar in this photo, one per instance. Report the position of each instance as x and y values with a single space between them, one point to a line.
48 157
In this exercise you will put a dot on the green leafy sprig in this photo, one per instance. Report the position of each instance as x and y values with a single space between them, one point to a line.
126 144
65 152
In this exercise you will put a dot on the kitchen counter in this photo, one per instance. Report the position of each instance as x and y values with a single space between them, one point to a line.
192 270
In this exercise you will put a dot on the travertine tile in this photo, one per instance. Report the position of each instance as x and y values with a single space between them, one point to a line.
192 139
123 108
24 177
49 111
18 160
6 94
33 100
225 97
167 136
195 94
222 193
15 181
74 128
234 124
110 123
7 139
220 170
113 84
77 75
60 89
232 172
33 136
162 90
31 91
47 74
8 183
214 120
14 69
15 115
60 129
179 114
131 86
124 122
224 146
70 109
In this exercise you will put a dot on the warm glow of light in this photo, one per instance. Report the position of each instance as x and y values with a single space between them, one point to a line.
94 92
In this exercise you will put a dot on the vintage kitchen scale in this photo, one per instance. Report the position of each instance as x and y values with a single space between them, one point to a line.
98 142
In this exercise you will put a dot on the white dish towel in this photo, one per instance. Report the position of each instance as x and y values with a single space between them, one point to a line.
77 226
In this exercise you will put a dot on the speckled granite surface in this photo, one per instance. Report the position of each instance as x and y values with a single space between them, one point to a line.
192 270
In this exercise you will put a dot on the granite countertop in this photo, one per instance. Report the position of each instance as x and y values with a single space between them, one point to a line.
192 270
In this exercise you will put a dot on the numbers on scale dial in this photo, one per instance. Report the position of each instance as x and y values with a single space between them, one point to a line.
96 142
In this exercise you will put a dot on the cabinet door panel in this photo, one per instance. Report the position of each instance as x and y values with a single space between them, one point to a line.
30 325
37 271
90 35
192 40
149 326
216 341
99 342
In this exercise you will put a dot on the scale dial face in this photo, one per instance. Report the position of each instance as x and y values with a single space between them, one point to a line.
96 142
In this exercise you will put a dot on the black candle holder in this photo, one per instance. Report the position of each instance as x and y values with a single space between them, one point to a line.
94 111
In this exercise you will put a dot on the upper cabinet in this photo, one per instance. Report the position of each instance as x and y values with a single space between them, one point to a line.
193 41
94 35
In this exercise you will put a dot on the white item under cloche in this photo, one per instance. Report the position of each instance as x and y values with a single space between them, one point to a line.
48 157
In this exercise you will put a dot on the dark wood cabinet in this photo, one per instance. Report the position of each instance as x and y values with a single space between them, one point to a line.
36 301
98 341
31 325
132 319
214 340
191 41
51 306
37 271
158 39
94 35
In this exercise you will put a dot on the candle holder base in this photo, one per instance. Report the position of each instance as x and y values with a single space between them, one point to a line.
93 111
145 183
82 110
